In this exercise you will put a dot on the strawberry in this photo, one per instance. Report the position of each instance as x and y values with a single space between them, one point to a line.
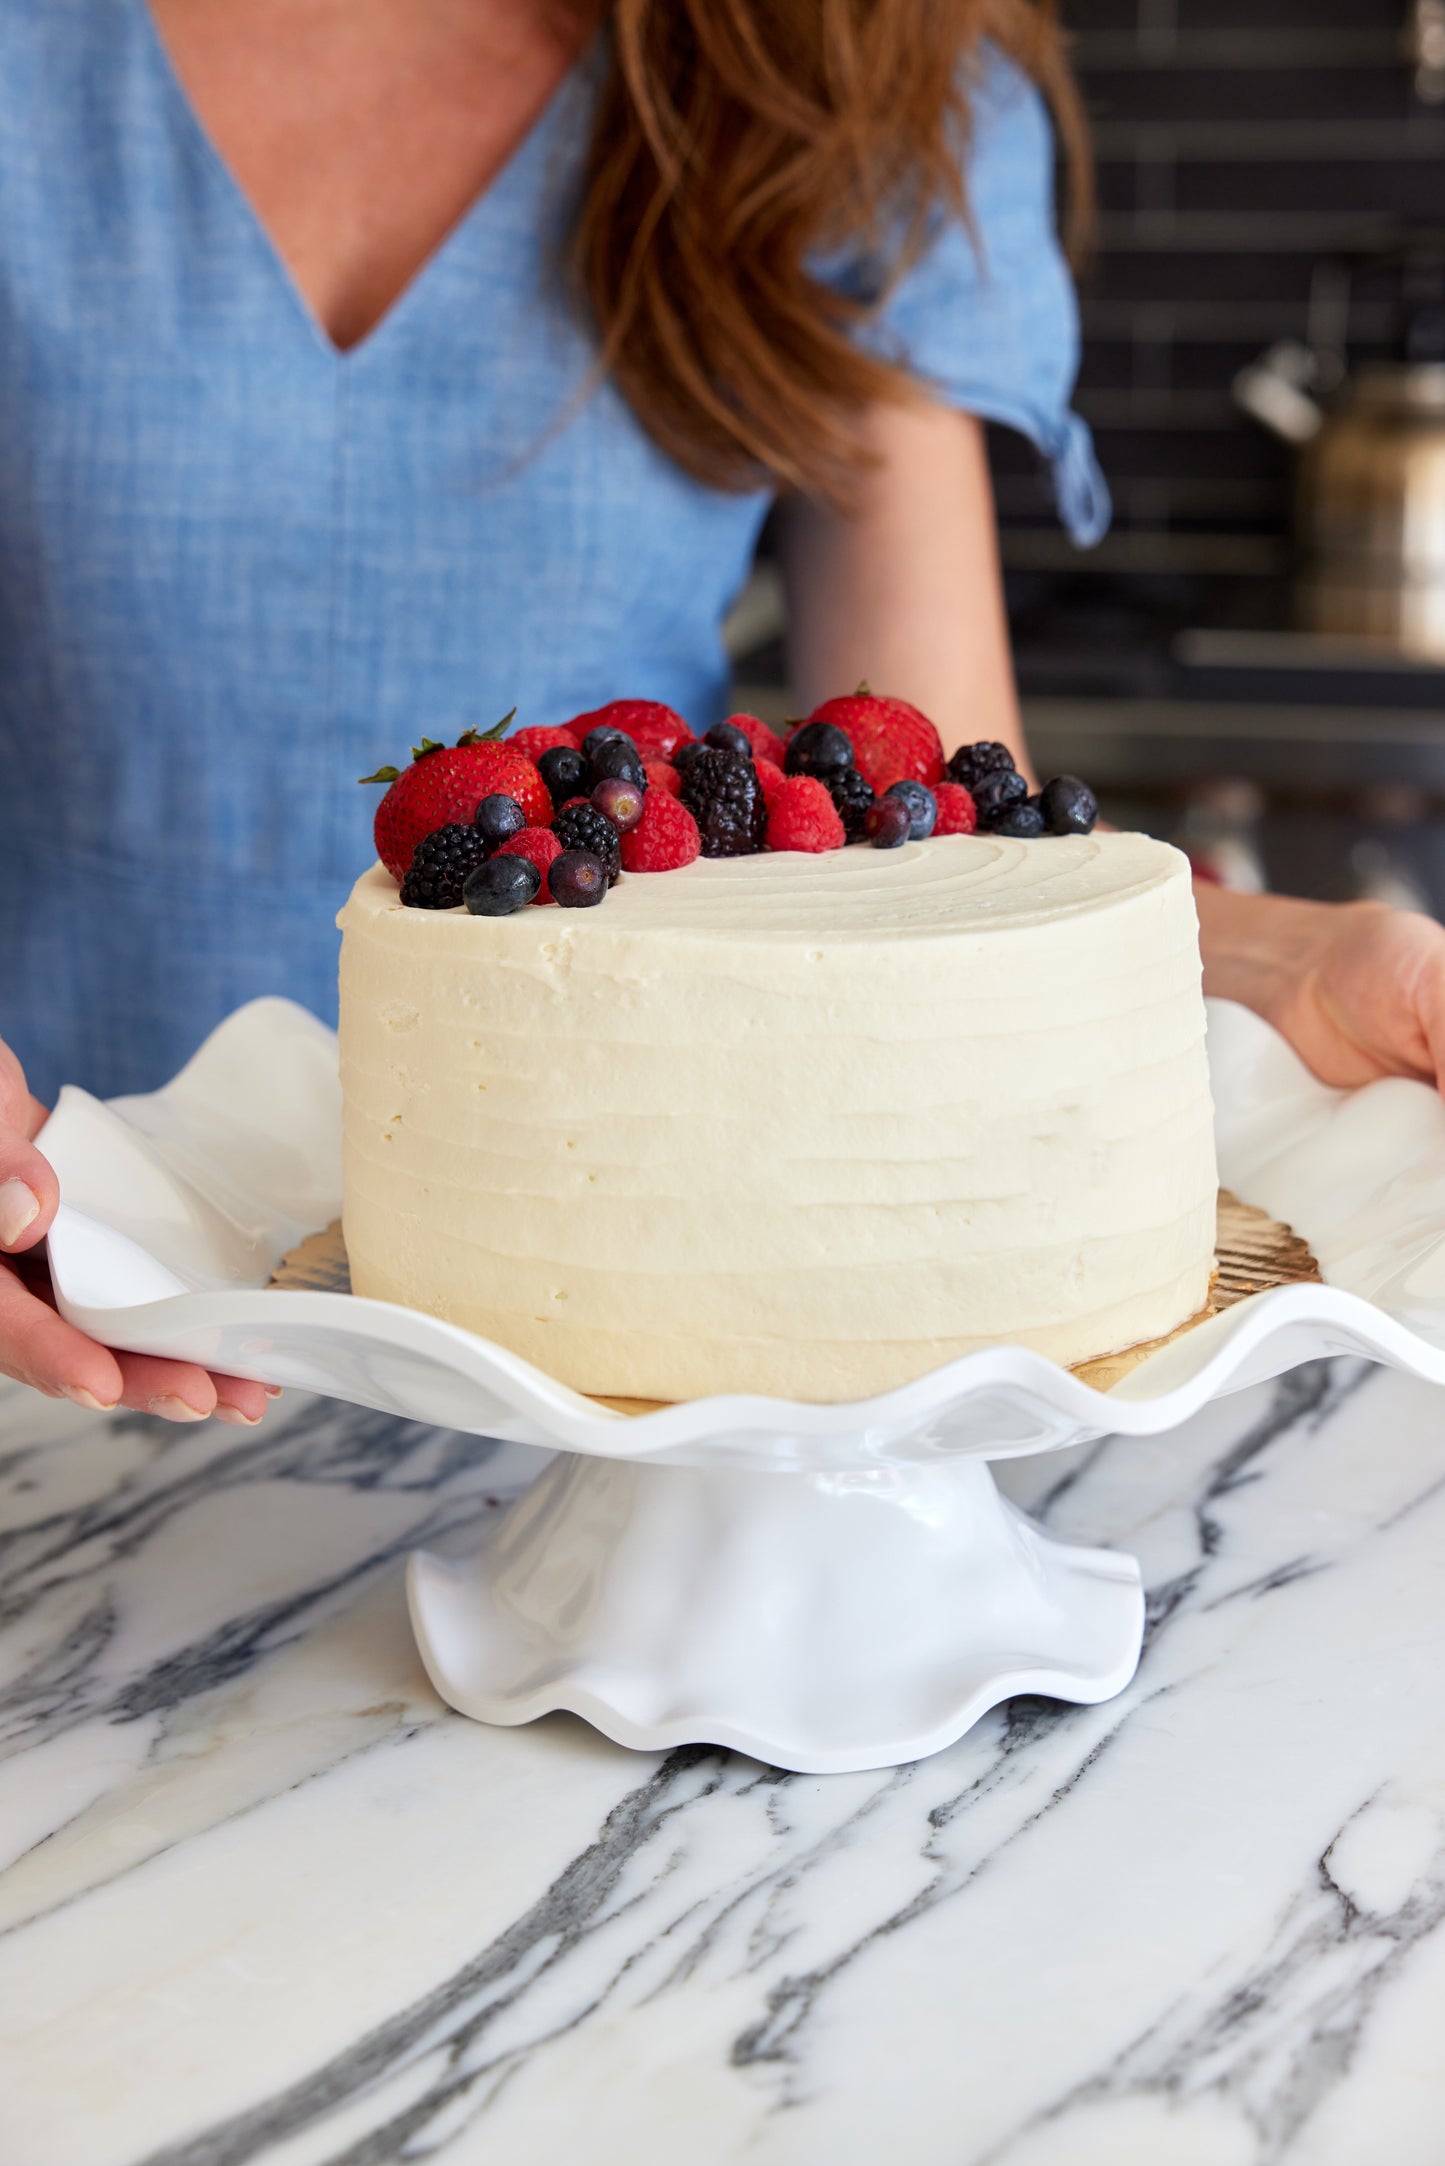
445 784
766 743
892 742
657 731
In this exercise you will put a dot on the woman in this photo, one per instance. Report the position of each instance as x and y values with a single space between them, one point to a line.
372 366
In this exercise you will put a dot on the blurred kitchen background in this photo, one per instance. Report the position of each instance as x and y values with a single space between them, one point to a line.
1253 662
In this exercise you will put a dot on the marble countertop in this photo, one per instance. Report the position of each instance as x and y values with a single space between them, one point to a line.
264 1898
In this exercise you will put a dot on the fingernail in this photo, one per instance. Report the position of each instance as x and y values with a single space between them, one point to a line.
272 1391
79 1396
236 1418
19 1208
171 1408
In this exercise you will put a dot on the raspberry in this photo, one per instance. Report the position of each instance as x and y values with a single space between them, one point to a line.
664 839
766 743
439 868
771 779
957 813
656 730
539 846
535 740
662 777
724 796
802 817
583 827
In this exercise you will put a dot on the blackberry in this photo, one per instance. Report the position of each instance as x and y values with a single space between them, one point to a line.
725 797
852 796
583 827
970 763
439 867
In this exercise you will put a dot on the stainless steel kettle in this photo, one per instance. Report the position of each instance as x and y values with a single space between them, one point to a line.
1371 513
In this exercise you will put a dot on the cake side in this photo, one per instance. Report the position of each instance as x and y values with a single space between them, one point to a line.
802 1126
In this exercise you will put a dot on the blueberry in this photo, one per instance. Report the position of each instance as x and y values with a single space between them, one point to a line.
564 772
889 822
577 879
1023 821
727 737
617 757
604 734
818 748
994 793
620 801
1069 806
922 807
501 885
686 753
497 819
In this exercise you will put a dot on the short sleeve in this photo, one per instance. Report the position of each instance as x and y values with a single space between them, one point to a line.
987 318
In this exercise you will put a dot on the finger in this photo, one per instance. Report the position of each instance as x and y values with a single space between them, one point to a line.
38 1347
29 1193
182 1391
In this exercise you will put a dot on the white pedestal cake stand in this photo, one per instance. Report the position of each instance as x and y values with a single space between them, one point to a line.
827 1587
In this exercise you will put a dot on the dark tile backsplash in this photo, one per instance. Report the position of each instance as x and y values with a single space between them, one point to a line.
1239 143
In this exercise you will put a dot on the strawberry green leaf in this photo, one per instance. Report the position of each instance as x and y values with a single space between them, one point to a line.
491 736
383 774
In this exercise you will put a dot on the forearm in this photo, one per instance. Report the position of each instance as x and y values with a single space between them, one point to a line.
904 590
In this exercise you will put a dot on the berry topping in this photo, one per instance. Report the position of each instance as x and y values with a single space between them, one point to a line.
892 742
497 819
766 743
852 796
564 771
662 777
1069 806
539 846
727 737
888 823
922 807
957 812
802 817
995 793
725 797
577 880
603 734
583 827
684 756
439 867
617 757
501 885
970 763
619 801
444 786
664 839
817 748
656 730
771 779
1024 821
535 740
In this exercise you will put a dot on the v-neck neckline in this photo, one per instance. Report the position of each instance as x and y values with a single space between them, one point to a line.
432 265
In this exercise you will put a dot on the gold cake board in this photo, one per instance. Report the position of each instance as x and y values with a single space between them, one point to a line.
1252 1252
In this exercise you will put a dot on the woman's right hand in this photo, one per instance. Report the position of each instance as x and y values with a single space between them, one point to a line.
37 1346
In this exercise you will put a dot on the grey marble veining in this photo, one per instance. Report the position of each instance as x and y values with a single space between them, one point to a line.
264 1899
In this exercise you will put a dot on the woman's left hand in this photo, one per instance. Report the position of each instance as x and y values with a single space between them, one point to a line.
1358 989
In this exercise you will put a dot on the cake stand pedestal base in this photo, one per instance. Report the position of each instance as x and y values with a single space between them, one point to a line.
821 1622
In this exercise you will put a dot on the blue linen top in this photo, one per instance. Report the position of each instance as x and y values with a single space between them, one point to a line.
239 568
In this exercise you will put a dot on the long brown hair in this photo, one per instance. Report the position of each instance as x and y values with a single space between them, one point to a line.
734 140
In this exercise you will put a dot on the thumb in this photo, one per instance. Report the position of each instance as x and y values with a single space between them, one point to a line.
29 1191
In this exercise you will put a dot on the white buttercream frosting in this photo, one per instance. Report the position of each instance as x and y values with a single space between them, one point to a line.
805 1125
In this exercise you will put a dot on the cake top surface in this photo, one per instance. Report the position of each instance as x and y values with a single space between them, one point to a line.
947 885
